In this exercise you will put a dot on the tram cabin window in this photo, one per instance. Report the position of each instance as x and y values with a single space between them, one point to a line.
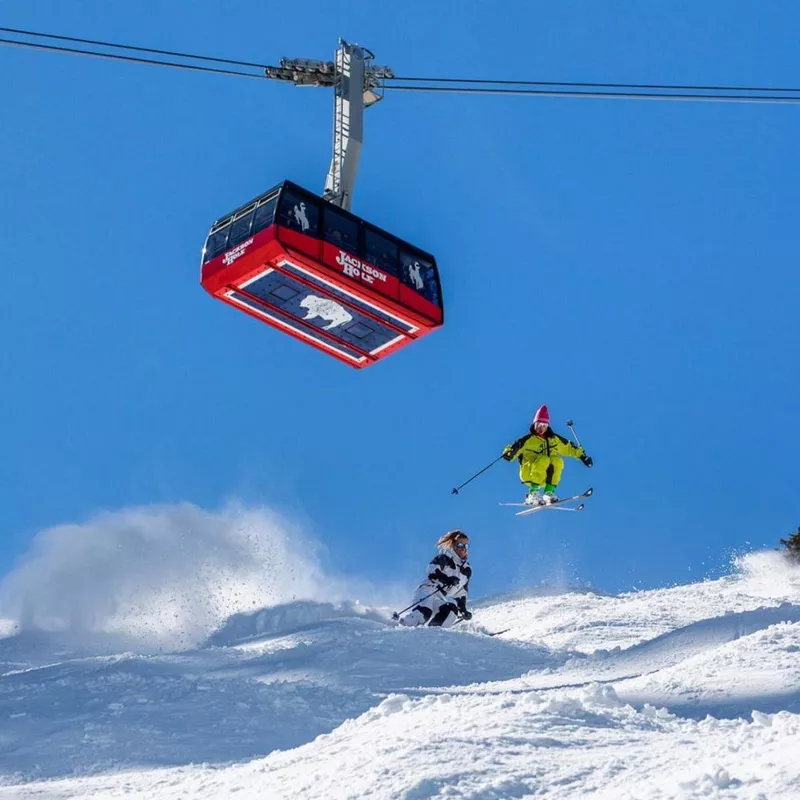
240 228
265 213
298 213
380 251
420 275
217 243
341 231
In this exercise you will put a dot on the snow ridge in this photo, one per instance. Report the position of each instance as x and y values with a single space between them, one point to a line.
689 691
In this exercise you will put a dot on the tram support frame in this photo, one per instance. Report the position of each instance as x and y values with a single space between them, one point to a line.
357 84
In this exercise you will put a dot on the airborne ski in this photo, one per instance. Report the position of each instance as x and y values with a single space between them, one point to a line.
541 507
558 505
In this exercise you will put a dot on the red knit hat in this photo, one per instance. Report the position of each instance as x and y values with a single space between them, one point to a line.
542 415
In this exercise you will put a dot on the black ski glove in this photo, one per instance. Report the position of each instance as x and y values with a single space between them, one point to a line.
587 460
467 615
446 581
515 447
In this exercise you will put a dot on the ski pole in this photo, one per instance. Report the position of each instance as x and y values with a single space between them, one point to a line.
569 425
396 614
455 491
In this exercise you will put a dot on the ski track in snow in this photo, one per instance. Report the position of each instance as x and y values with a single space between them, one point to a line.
686 692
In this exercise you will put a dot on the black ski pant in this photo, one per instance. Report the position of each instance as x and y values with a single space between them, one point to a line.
442 614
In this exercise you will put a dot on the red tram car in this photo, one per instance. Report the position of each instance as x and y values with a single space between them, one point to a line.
322 275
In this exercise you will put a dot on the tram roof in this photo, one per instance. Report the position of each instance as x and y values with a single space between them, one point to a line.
287 184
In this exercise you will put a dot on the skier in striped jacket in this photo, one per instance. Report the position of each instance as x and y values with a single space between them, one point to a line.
442 598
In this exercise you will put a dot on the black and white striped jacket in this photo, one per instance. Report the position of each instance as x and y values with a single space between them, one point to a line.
452 573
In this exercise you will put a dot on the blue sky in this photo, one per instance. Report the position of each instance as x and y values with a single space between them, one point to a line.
631 264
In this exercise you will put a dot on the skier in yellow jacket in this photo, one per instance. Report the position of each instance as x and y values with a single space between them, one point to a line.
540 457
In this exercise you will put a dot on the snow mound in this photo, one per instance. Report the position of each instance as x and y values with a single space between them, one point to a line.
311 668
287 618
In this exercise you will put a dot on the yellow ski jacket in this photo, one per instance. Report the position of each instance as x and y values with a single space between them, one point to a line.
540 456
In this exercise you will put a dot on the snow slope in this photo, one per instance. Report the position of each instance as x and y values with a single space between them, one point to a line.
688 691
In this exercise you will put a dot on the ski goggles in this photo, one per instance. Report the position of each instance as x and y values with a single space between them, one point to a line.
462 546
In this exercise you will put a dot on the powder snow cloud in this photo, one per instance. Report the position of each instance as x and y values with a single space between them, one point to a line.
164 575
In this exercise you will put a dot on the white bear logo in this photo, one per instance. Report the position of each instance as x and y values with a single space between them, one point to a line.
327 309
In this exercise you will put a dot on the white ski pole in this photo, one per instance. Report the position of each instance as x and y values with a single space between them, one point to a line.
569 425
396 614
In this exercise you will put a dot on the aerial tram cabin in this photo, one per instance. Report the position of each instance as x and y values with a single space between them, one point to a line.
306 265
317 272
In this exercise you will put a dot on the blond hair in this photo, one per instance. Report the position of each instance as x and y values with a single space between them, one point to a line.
451 538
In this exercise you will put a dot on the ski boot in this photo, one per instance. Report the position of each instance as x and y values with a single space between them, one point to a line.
534 496
549 497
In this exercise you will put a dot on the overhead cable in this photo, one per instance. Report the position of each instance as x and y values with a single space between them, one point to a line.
483 86
585 85
97 43
131 59
706 98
